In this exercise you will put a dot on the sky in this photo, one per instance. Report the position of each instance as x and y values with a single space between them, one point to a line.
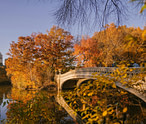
23 17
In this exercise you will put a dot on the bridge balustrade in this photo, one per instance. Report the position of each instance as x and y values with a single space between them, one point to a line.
102 70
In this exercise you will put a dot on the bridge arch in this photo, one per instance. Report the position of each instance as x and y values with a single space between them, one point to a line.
69 84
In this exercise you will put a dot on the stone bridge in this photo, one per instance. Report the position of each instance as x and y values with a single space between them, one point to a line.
77 76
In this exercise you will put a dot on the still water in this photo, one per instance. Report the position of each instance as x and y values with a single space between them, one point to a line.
30 107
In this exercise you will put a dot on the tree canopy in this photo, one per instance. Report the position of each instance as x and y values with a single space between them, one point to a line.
33 59
114 44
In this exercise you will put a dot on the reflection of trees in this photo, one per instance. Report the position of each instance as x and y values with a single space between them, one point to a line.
22 95
41 108
4 89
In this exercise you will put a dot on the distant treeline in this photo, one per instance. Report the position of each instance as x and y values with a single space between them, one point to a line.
3 77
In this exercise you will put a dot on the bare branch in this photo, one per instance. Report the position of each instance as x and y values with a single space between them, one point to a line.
86 12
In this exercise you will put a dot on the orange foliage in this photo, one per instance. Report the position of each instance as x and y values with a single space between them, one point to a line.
114 44
86 52
34 59
22 95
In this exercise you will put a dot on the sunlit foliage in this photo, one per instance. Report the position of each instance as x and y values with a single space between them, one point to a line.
87 52
112 45
33 59
101 101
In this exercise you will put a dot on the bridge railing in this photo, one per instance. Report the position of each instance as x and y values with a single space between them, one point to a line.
108 69
88 72
102 70
96 69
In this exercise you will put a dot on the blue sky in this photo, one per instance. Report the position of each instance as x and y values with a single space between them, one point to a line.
22 17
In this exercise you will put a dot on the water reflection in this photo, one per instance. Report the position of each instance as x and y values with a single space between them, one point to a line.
3 107
34 107
4 91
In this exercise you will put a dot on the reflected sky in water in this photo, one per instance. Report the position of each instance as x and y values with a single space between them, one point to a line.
3 107
4 91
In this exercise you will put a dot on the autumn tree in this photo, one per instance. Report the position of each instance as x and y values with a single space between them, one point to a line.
56 48
114 44
110 43
19 64
34 59
134 44
86 52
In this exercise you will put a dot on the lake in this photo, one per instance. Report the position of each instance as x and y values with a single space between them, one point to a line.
37 107
31 107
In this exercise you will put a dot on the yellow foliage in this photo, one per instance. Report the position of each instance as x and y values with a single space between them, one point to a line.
104 113
144 35
114 85
125 110
86 116
125 75
22 95
90 94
